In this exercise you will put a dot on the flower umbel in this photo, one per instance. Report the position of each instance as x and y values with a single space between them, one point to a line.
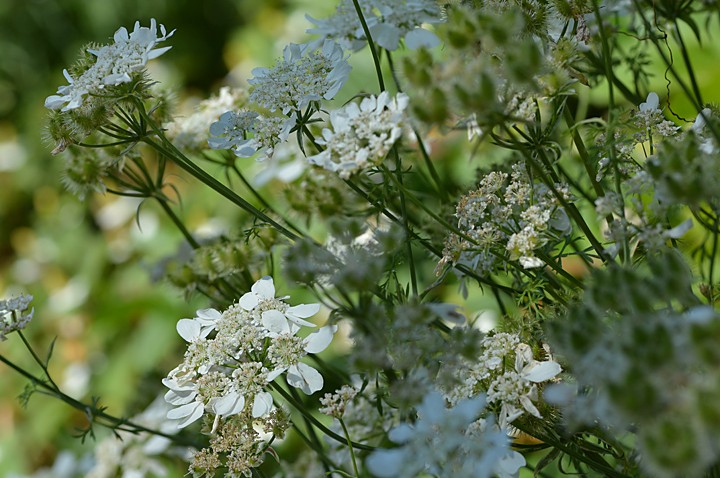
304 74
115 64
362 135
14 315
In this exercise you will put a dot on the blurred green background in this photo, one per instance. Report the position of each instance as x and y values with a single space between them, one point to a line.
87 264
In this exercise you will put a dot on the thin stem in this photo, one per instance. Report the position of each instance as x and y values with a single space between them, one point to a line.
371 43
300 408
178 223
352 452
90 411
37 360
170 151
406 225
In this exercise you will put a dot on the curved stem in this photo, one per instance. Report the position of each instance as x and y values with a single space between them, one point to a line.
299 407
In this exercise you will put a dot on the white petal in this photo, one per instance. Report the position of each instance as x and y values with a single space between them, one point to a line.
305 378
249 301
174 397
529 406
541 371
264 288
197 413
185 411
188 329
320 339
208 316
272 375
510 465
386 35
679 231
263 404
651 103
386 463
402 433
421 37
275 322
303 311
230 404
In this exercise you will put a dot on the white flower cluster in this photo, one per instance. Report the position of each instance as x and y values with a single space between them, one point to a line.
191 132
247 133
509 374
446 442
361 135
334 404
387 20
14 315
254 342
115 64
651 117
519 214
304 74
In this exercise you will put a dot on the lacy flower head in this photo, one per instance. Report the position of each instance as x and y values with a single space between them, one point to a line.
305 74
247 133
361 135
14 314
397 19
114 64
233 356
510 217
446 442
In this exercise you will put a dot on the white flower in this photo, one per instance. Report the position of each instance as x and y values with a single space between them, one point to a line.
362 135
651 103
397 19
115 64
247 133
437 443
286 352
404 19
13 315
305 74
516 390
344 27
252 343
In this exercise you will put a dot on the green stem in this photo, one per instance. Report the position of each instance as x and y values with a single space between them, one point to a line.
300 408
352 452
166 148
371 43
91 412
406 225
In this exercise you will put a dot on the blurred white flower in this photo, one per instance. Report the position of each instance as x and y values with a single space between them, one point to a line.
389 21
191 132
438 443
